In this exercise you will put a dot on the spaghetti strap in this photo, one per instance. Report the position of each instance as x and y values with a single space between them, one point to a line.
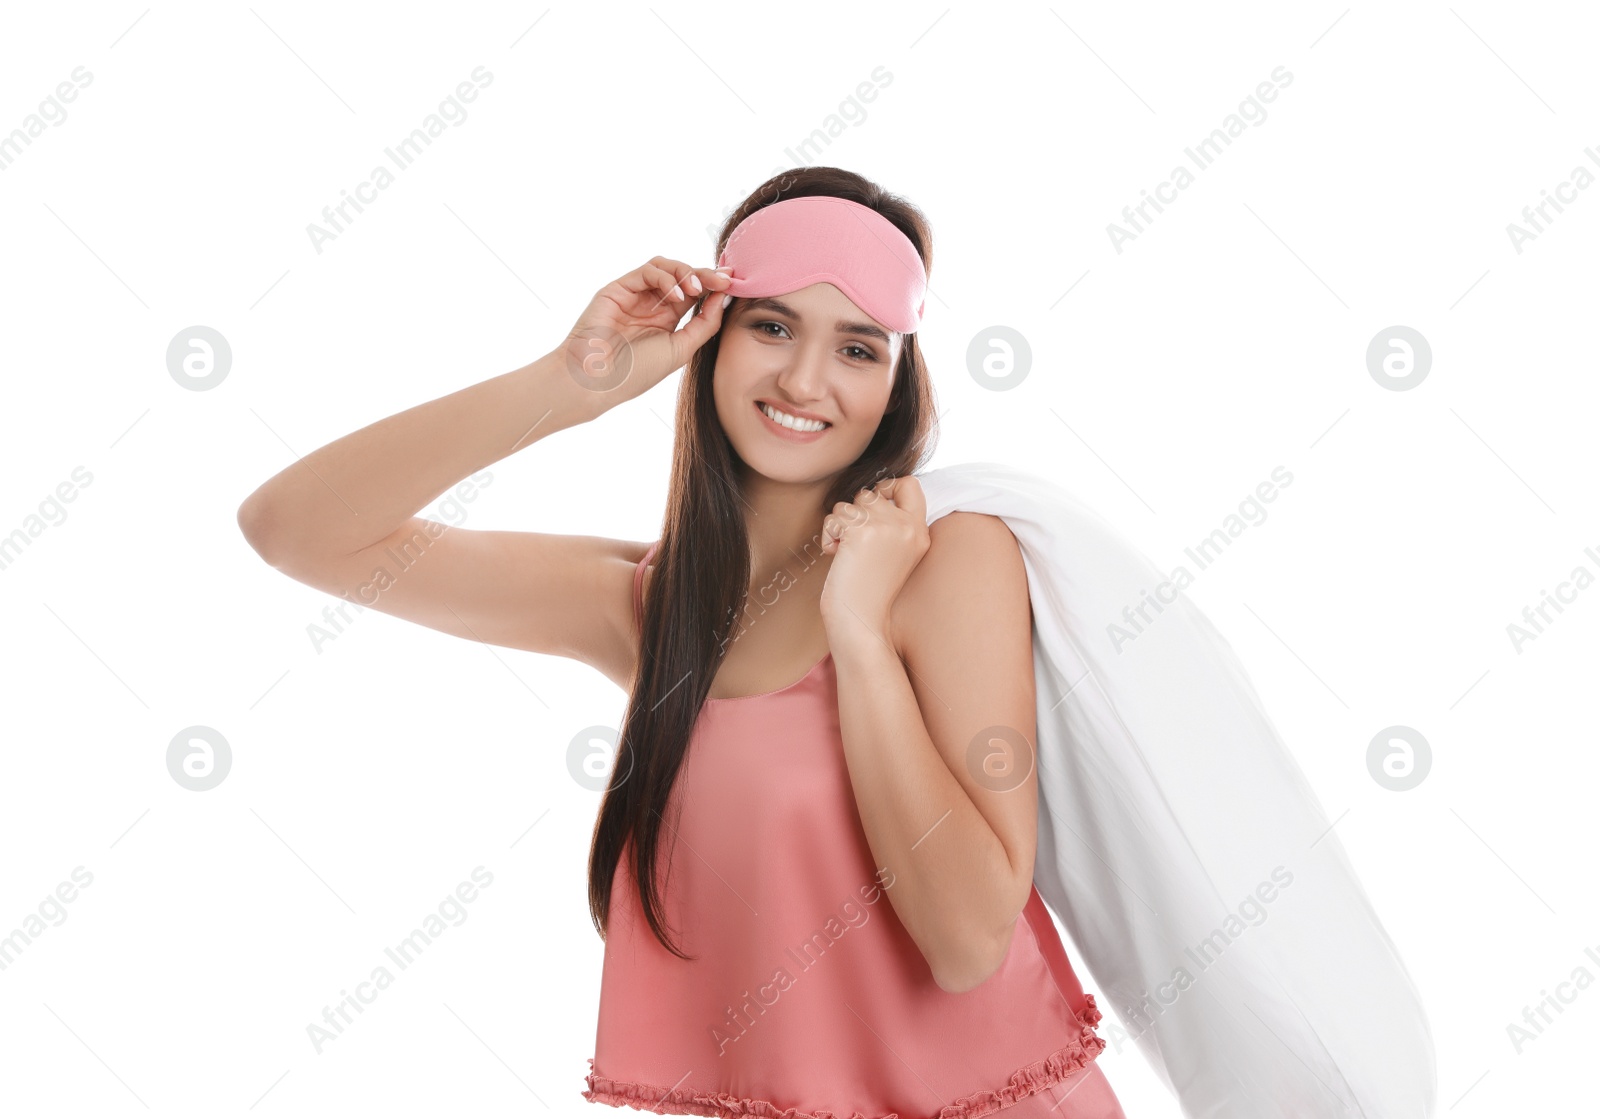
638 584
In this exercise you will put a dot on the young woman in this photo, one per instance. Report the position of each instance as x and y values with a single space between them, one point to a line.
823 784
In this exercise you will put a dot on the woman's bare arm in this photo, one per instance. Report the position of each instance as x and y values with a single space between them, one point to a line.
342 519
958 830
355 491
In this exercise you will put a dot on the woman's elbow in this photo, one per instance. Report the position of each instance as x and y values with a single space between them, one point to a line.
957 977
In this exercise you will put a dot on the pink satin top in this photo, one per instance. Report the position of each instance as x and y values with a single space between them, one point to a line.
808 999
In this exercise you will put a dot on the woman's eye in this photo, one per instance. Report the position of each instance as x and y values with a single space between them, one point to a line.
861 353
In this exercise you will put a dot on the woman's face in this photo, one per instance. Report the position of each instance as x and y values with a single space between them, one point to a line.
811 352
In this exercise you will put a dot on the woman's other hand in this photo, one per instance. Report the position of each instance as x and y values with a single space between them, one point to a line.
876 542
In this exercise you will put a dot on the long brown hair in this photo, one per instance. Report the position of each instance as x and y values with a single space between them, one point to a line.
702 567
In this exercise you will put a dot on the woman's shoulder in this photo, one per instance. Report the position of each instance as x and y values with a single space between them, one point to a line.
973 563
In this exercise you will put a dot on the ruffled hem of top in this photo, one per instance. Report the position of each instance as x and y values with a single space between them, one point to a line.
1023 1083
1039 1075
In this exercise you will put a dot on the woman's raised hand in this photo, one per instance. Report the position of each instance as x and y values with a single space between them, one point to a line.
628 339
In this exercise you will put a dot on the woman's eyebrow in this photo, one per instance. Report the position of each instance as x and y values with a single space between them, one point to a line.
865 329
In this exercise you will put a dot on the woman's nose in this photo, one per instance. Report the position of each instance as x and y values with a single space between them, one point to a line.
805 375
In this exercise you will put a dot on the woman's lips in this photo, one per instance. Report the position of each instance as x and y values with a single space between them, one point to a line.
789 433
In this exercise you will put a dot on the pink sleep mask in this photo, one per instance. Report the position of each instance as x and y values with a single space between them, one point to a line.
817 239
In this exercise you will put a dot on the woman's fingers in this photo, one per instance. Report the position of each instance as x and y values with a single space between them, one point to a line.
691 283
687 282
696 330
651 277
673 282
665 283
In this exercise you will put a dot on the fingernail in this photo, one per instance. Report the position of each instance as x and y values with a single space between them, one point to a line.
694 284
727 299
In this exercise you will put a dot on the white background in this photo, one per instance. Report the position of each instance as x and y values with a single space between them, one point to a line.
371 775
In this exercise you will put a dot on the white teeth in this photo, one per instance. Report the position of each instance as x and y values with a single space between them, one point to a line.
789 421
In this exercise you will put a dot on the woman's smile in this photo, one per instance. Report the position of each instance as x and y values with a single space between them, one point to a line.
794 435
